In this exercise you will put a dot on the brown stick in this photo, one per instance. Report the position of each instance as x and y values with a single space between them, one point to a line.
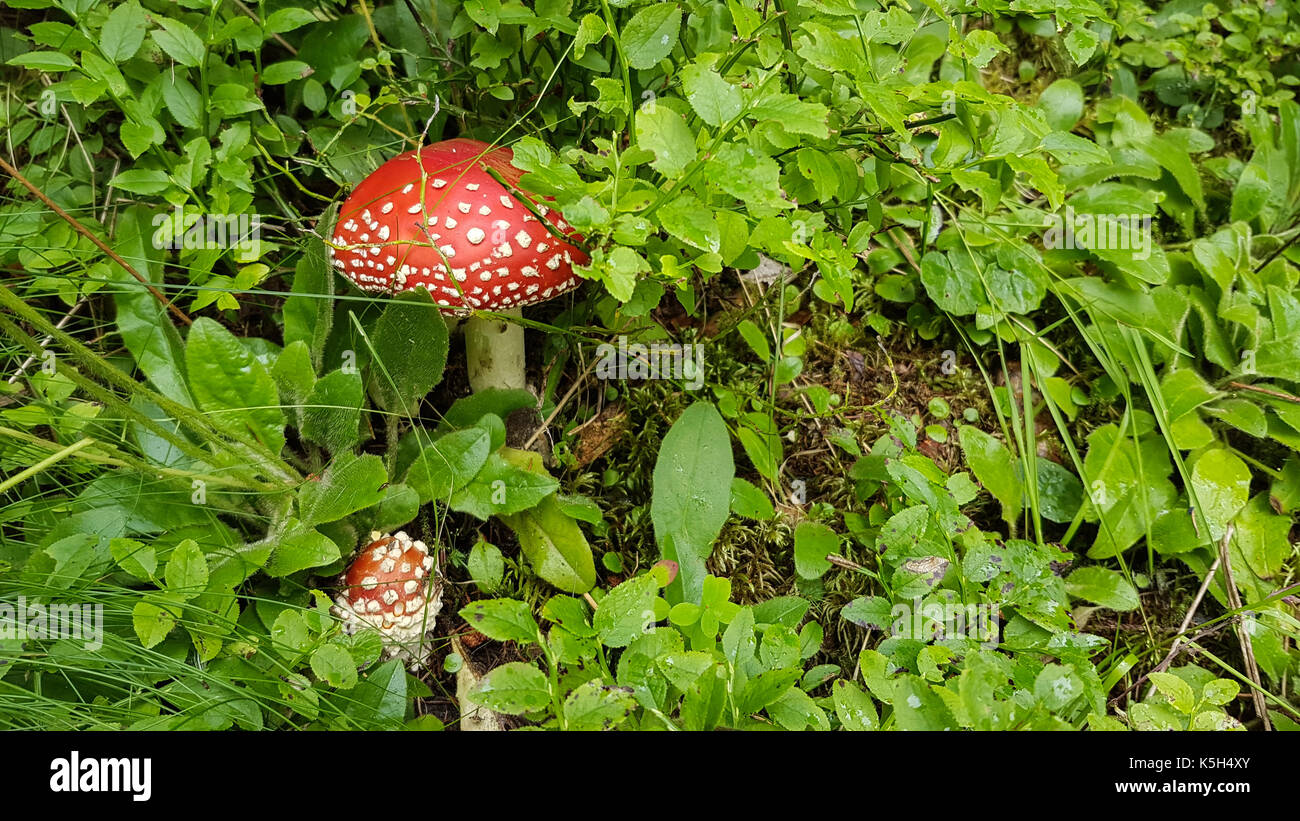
1242 386
1243 633
99 243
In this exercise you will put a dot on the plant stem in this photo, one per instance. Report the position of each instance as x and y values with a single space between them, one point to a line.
494 351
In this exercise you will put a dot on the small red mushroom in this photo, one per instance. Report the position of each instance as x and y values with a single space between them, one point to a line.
436 218
392 586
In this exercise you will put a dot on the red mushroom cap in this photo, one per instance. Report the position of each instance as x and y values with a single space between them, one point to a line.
387 588
439 219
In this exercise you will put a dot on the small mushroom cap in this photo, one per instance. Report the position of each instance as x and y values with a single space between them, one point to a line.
437 218
387 587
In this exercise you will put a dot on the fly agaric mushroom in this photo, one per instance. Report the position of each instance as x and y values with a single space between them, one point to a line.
392 587
438 218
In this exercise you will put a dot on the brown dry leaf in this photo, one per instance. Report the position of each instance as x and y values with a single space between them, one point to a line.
596 439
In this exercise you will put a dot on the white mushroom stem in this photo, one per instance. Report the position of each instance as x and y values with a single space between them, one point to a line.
494 351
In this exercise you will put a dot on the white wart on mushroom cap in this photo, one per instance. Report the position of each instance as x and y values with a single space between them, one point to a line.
441 220
391 587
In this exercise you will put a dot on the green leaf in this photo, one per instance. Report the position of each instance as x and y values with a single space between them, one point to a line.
869 611
812 543
232 385
465 412
663 132
749 501
43 61
651 34
301 548
349 484
854 708
144 324
713 98
501 488
554 545
513 688
1178 692
333 664
952 282
287 19
688 219
180 42
995 468
594 705
1221 691
918 707
285 71
331 415
379 700
449 464
151 622
136 558
627 611
1103 586
123 32
1062 103
486 566
748 175
792 114
502 620
1222 485
692 494
187 570
410 342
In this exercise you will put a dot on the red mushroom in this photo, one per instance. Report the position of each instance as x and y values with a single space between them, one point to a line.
392 587
437 218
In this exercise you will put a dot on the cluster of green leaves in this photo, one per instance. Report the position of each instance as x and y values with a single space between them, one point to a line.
712 664
248 487
1206 59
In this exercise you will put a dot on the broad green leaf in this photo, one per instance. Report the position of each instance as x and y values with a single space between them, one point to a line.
918 707
333 664
486 566
502 620
555 547
331 416
379 700
663 132
594 705
151 622
145 325
299 549
812 543
1062 103
854 708
502 488
231 385
449 464
349 484
179 41
749 501
123 32
955 289
410 346
994 467
513 688
1179 692
1103 586
627 611
651 34
187 569
1222 485
692 494
713 98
